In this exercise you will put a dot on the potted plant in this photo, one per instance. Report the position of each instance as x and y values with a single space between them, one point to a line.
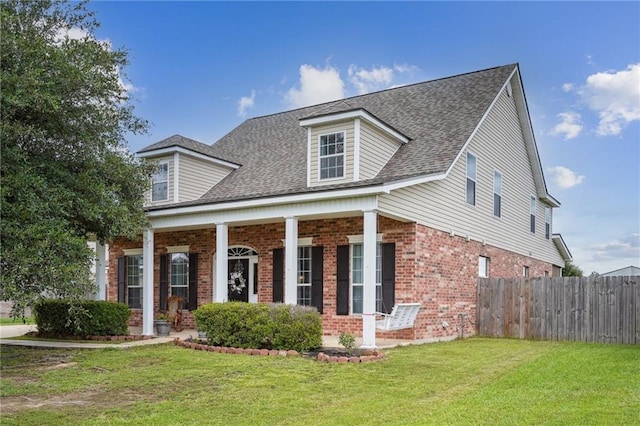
163 326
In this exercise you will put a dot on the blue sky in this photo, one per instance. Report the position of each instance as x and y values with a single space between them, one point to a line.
200 68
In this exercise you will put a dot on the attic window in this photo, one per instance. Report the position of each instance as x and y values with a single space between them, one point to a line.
160 179
332 155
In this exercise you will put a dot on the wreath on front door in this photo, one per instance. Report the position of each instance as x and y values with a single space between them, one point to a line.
237 283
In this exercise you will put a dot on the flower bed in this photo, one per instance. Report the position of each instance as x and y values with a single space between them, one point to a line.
366 356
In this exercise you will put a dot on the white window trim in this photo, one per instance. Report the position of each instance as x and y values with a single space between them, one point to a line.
359 239
132 252
475 179
178 249
344 157
160 163
302 242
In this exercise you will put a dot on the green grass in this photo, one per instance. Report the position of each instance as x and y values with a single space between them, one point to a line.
476 381
19 321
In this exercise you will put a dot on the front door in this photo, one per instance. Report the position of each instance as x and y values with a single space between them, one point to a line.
238 280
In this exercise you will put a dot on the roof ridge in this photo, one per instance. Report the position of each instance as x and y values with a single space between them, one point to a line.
329 103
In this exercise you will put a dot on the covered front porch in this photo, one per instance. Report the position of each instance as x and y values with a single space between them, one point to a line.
341 256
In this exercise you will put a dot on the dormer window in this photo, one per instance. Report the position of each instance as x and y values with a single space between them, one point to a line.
332 155
160 183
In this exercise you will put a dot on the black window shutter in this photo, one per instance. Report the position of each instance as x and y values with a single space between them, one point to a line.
164 281
122 279
388 276
342 275
317 262
278 275
192 302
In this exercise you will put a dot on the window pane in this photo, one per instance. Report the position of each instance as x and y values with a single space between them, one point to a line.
134 297
332 155
356 264
161 173
134 281
357 278
180 276
357 299
471 192
304 296
532 209
497 183
497 205
471 166
159 191
304 276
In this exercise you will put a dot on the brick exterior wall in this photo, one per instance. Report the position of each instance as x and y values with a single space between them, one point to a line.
438 270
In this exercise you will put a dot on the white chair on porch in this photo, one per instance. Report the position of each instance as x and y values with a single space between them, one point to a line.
402 316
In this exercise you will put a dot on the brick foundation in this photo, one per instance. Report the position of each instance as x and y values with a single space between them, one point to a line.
438 270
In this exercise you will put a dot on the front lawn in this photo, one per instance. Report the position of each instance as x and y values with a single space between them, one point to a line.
17 321
476 381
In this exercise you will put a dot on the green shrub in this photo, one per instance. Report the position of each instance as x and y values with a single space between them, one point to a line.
249 325
81 318
347 340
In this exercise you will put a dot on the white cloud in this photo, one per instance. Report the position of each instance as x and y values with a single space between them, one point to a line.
379 78
615 96
567 87
316 86
368 81
570 125
627 247
245 103
564 177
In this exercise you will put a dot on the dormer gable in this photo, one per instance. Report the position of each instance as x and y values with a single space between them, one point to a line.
348 146
186 170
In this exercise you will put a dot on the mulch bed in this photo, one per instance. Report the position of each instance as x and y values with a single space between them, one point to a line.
321 355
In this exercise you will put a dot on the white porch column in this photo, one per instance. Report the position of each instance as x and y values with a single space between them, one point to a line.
222 255
101 272
291 261
369 287
147 282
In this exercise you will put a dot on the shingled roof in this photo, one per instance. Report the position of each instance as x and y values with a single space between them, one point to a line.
437 116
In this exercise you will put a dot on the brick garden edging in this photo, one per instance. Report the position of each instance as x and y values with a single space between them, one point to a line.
367 356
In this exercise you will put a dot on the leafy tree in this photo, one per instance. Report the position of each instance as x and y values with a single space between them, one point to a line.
571 270
66 173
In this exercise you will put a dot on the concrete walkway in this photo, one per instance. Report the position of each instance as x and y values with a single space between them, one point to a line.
8 331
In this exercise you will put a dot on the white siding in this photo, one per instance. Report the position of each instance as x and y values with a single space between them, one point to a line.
346 126
376 149
498 145
147 197
197 176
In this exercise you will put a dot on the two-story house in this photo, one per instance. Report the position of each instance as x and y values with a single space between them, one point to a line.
403 195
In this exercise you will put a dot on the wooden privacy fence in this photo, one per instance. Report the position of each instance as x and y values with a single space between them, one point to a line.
582 309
